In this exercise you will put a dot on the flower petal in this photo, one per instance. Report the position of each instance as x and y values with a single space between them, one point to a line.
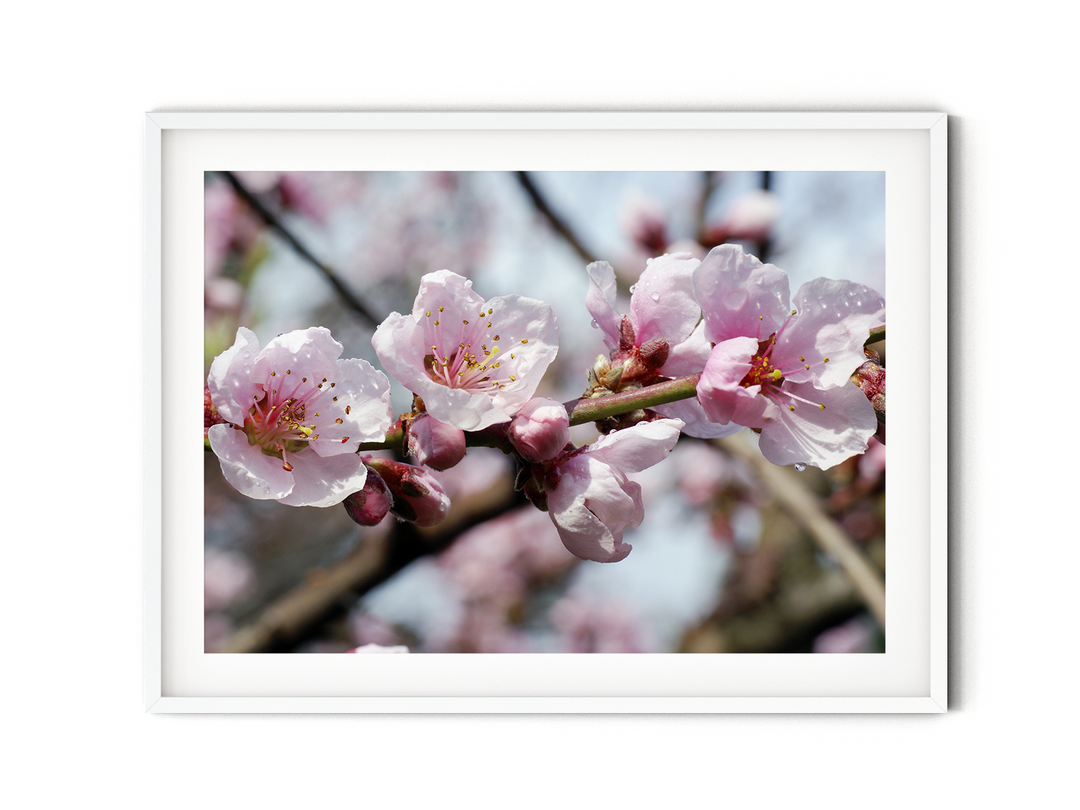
246 467
581 531
663 303
689 356
639 447
600 301
365 391
229 381
740 296
834 319
719 390
821 437
323 481
696 423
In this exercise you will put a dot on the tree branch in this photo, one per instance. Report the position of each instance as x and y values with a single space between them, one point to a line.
556 222
826 533
275 225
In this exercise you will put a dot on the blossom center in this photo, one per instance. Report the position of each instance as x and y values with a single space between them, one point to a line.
762 372
768 372
470 353
285 419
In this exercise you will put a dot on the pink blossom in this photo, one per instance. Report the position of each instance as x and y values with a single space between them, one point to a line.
664 333
541 430
473 362
593 501
433 443
296 415
783 370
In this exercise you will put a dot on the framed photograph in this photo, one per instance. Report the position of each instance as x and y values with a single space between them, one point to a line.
583 412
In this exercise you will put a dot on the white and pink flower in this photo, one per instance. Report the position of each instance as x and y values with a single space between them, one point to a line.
295 417
783 368
473 362
594 502
664 329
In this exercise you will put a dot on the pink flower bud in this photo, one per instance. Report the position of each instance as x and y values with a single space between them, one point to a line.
870 377
370 505
433 443
211 416
541 429
418 497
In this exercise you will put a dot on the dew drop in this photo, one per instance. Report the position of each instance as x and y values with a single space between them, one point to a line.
595 325
736 299
800 466
632 288
656 296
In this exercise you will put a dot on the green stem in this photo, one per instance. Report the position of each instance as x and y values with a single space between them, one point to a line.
591 409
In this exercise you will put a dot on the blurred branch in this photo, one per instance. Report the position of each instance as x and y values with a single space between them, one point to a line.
275 225
556 222
826 533
327 594
796 616
709 182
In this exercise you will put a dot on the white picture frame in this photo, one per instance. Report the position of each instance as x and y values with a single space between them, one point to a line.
911 677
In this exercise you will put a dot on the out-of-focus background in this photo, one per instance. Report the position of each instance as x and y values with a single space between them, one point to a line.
719 565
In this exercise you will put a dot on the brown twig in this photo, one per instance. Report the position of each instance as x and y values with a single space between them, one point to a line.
826 533
556 222
275 225
330 593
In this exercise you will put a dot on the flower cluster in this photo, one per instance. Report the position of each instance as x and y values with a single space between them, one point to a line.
287 421
777 365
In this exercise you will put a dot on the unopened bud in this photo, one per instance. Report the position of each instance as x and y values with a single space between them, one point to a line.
626 334
870 377
211 416
433 443
418 497
654 353
541 429
370 505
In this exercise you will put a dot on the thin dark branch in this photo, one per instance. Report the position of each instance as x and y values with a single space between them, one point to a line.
560 226
275 224
331 593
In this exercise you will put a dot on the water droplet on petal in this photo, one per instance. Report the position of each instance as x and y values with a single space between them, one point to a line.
632 288
800 466
595 325
736 299
656 296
